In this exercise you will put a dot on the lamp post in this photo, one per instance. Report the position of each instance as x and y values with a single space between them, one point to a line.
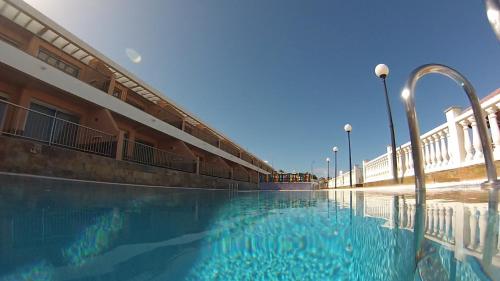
382 71
348 129
335 150
327 172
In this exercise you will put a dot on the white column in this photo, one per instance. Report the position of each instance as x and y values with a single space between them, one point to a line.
473 228
483 221
427 153
467 143
442 212
451 158
401 163
404 215
407 160
435 213
430 219
364 171
410 160
437 145
432 152
444 149
410 216
495 131
460 228
448 227
455 136
476 140
389 161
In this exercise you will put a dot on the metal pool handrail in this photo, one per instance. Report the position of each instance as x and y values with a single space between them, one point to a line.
408 95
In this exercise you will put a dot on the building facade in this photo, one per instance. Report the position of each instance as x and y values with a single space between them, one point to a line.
58 91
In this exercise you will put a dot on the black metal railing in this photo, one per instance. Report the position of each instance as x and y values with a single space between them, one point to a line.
149 155
27 123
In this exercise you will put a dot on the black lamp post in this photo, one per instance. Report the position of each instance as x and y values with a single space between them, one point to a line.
335 150
327 171
348 129
382 71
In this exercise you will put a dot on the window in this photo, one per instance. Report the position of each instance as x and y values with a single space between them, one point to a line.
42 125
117 93
135 105
8 40
57 62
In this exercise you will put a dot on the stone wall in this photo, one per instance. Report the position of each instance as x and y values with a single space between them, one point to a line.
29 157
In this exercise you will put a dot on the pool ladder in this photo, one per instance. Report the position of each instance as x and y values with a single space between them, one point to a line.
408 95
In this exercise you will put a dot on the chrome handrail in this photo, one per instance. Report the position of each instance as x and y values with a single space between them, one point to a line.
408 95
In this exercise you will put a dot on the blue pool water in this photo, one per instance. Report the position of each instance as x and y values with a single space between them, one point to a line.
64 231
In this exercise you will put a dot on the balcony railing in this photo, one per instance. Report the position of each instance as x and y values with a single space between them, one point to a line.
148 155
23 122
240 175
229 149
99 75
211 169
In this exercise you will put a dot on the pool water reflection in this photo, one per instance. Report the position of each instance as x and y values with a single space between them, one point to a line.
76 231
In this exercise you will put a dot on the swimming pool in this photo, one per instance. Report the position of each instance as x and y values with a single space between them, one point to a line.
82 231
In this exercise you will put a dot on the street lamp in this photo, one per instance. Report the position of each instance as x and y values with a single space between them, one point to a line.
327 171
382 71
335 150
348 129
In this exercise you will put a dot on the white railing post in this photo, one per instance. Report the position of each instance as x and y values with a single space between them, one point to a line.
455 136
473 228
495 131
476 140
389 161
364 171
444 149
437 145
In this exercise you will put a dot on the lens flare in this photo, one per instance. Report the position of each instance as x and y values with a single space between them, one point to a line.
41 271
133 55
96 239
405 94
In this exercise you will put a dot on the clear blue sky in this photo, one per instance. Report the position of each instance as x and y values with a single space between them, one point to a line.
282 77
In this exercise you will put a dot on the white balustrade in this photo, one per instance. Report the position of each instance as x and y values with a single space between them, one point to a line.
453 144
343 178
